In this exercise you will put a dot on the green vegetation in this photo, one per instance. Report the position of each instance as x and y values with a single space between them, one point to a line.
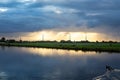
108 46
85 46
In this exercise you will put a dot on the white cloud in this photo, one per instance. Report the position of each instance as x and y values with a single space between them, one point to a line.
51 1
5 1
60 1
94 14
54 9
26 1
3 10
58 10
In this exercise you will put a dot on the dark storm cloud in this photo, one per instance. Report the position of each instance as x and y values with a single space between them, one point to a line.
95 4
35 15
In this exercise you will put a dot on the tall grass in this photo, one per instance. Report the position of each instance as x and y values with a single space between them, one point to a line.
111 47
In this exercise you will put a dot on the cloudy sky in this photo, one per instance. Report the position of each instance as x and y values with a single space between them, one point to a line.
98 19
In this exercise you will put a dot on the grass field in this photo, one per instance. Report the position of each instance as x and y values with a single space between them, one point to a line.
110 47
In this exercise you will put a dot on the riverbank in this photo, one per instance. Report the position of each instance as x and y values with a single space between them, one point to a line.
109 47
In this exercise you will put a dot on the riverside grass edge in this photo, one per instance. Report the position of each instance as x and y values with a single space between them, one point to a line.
88 46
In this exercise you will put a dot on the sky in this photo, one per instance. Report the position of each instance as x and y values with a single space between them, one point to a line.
60 19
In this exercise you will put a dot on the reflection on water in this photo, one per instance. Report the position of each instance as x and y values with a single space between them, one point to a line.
109 75
3 76
53 52
51 64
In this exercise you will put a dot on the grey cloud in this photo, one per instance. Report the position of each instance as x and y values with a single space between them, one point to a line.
10 4
31 15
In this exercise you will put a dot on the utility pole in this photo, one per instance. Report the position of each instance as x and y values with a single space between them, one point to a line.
42 37
118 36
69 36
20 39
85 36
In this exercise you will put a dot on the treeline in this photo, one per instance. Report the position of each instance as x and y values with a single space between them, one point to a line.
86 41
3 39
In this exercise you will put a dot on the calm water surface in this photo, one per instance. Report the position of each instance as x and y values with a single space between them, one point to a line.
51 64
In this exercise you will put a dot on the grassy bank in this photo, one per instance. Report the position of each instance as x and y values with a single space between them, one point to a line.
110 47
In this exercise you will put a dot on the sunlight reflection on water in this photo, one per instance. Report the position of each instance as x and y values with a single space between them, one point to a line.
52 52
21 63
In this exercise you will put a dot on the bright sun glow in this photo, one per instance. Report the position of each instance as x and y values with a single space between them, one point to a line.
52 35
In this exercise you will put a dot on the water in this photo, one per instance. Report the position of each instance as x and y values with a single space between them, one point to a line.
109 75
51 64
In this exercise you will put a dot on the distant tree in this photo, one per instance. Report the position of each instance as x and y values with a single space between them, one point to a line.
97 41
62 41
86 41
3 39
20 41
103 41
111 41
11 41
